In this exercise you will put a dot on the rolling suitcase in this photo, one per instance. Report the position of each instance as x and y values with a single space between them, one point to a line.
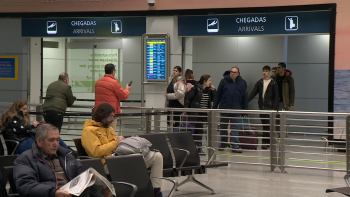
248 131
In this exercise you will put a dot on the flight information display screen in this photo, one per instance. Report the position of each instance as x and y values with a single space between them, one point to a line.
156 59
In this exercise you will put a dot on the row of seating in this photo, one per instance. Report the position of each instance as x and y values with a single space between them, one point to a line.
186 156
128 173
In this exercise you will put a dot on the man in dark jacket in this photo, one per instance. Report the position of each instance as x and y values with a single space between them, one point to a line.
42 170
268 100
285 83
58 96
231 94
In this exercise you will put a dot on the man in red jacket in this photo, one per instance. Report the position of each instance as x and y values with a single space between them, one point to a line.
108 90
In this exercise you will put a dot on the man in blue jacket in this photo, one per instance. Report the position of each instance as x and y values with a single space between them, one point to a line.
231 94
42 170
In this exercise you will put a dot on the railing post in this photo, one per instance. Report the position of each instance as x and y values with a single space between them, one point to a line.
347 129
283 129
148 121
39 108
211 133
171 121
156 122
273 142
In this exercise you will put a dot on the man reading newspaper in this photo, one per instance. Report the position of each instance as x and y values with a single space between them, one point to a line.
99 185
42 170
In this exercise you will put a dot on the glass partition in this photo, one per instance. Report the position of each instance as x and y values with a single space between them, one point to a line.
83 62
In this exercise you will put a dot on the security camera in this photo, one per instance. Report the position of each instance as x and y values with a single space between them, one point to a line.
151 2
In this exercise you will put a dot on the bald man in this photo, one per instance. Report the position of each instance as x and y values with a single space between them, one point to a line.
58 97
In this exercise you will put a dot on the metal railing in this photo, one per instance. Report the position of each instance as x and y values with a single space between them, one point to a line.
298 140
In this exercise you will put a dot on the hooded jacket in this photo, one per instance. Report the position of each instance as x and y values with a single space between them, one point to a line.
109 90
180 90
288 91
231 95
98 141
58 96
34 177
270 100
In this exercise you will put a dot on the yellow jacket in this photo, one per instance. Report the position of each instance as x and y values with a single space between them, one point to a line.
97 140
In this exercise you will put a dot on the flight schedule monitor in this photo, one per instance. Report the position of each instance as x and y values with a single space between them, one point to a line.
156 59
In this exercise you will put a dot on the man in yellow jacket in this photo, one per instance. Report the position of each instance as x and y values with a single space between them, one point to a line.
99 140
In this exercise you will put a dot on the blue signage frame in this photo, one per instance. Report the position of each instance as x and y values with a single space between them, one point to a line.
316 22
156 67
8 68
84 27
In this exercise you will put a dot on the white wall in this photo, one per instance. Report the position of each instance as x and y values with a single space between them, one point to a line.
35 70
12 44
154 93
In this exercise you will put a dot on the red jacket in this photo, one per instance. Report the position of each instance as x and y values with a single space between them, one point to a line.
108 90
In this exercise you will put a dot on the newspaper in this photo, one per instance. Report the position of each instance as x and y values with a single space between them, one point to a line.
89 178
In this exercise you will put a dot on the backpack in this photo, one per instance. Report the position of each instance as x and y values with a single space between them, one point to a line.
132 145
189 86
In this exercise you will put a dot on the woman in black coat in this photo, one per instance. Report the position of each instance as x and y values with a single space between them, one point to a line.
15 125
200 96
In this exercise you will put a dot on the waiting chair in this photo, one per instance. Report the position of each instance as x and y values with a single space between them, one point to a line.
120 187
187 158
5 161
80 149
159 142
94 163
9 147
132 169
9 174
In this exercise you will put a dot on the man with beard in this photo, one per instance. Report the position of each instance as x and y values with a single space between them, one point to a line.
99 140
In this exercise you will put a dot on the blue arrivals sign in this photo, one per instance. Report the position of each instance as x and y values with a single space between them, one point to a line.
84 27
255 24
8 67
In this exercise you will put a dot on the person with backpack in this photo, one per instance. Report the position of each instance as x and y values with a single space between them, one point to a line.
200 96
232 94
175 96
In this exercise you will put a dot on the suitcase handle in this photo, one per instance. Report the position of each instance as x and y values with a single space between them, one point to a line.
248 122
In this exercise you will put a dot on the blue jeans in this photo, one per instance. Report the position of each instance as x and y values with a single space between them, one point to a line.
27 144
224 122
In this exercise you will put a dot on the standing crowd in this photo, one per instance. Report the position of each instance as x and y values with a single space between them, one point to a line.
276 92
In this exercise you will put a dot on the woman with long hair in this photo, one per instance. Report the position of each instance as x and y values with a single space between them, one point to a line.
175 95
16 125
189 76
200 96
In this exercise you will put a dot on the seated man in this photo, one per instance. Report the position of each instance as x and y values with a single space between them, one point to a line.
99 140
46 167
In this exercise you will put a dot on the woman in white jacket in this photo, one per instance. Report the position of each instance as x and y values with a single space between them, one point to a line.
175 95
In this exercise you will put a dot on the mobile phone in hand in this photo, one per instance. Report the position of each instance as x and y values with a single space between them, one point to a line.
130 83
